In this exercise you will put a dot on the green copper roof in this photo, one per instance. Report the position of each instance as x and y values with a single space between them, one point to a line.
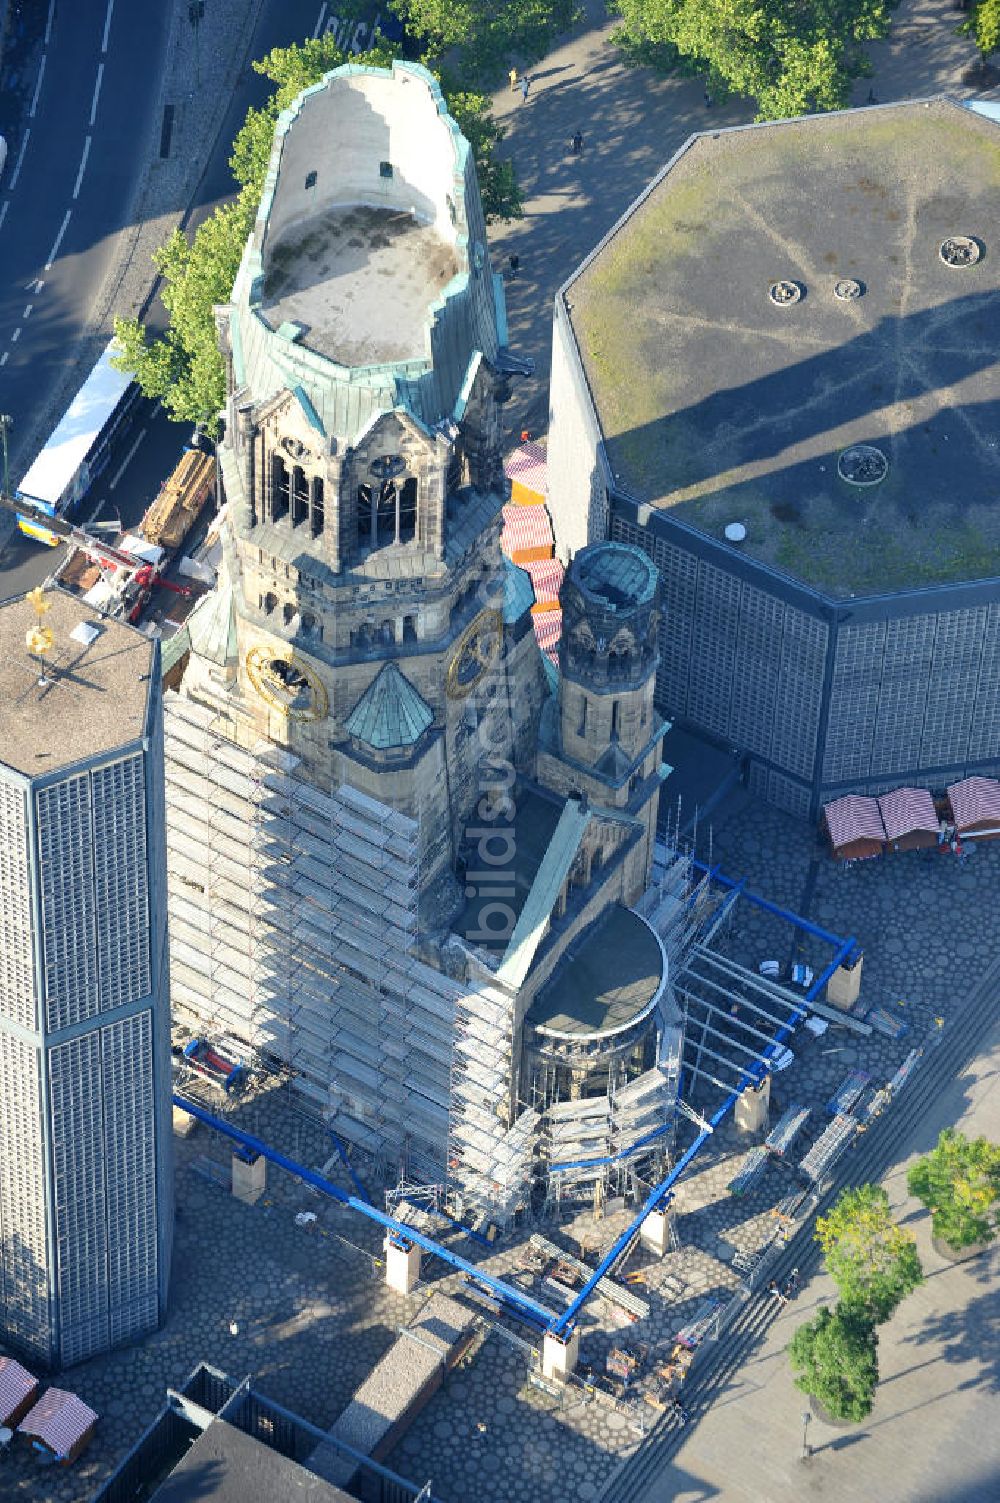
172 649
390 713
211 626
518 592
618 574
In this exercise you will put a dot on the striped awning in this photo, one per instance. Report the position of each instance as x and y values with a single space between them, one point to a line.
60 1420
975 801
528 466
525 527
547 577
853 818
16 1386
907 810
548 630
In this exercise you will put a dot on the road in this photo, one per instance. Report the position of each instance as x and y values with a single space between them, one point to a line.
44 307
69 183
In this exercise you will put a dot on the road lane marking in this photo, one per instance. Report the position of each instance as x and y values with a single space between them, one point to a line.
58 240
97 91
36 289
4 358
322 18
20 158
107 26
48 23
27 311
16 335
126 461
95 513
83 163
3 209
38 88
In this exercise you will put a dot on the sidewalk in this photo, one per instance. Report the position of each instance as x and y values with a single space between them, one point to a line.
934 1433
633 121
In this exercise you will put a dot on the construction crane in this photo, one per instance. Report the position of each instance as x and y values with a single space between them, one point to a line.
132 579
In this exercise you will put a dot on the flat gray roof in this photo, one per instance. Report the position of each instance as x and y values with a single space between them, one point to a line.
95 695
226 1466
606 983
720 406
361 281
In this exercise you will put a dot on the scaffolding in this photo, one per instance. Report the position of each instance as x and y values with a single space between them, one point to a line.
294 917
828 1148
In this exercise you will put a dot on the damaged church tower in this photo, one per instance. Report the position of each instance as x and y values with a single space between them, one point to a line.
365 751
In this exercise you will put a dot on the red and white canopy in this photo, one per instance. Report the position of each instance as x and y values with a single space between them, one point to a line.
59 1419
548 630
853 818
16 1385
547 577
528 465
906 810
975 801
525 527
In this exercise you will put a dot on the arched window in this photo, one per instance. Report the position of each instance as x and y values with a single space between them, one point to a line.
300 496
280 482
316 510
308 623
387 509
270 602
289 612
409 628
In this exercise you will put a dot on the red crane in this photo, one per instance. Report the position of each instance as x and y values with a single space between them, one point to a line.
138 578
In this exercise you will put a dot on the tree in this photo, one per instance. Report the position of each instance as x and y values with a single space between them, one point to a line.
983 23
835 1357
959 1183
184 368
484 35
872 1261
792 56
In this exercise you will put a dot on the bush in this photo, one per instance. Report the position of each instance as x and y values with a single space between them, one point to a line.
835 1357
959 1183
872 1261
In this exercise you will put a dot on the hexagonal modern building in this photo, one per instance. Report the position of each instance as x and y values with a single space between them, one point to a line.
779 375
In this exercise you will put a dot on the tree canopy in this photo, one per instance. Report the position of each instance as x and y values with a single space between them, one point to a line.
983 23
792 56
872 1261
835 1357
959 1182
485 35
184 367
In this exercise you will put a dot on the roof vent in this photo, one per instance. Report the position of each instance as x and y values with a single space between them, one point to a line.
785 292
847 289
862 464
960 251
735 532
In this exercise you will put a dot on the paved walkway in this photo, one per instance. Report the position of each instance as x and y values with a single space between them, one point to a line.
632 122
934 1433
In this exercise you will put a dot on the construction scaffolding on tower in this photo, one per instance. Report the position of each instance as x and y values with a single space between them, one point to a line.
294 916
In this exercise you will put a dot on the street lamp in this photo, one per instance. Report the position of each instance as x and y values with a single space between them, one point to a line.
196 14
807 1449
6 421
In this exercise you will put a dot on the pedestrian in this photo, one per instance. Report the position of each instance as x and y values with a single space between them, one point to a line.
525 436
776 1293
708 100
679 1410
872 98
792 1285
514 262
512 75
577 143
525 86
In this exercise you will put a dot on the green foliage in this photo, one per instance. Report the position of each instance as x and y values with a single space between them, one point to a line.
835 1357
792 56
486 35
983 23
872 1261
184 368
959 1183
